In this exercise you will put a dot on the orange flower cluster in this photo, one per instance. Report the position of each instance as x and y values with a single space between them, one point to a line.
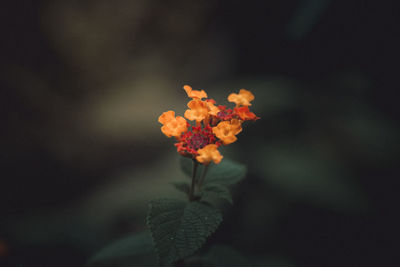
214 125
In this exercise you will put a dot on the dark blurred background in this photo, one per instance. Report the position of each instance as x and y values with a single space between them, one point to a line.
83 83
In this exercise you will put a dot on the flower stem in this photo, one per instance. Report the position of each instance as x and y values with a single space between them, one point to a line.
192 186
203 175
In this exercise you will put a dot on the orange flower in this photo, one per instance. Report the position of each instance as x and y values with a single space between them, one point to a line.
245 114
195 94
212 109
242 99
172 126
226 131
166 117
198 110
209 153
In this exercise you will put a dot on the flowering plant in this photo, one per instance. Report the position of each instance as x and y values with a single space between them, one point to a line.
179 228
212 127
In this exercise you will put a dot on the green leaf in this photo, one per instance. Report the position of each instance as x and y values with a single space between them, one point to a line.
227 173
212 191
223 256
137 248
182 186
180 228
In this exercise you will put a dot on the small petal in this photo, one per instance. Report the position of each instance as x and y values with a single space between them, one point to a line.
236 126
242 99
166 117
226 131
195 94
213 110
197 111
209 153
245 114
172 126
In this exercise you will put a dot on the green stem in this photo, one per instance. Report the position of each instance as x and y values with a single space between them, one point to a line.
203 175
192 186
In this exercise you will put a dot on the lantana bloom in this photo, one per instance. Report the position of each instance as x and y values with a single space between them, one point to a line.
172 126
195 94
242 99
212 125
226 131
245 114
209 153
198 110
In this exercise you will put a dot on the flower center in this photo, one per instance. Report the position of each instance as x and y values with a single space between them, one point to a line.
197 141
222 114
225 114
